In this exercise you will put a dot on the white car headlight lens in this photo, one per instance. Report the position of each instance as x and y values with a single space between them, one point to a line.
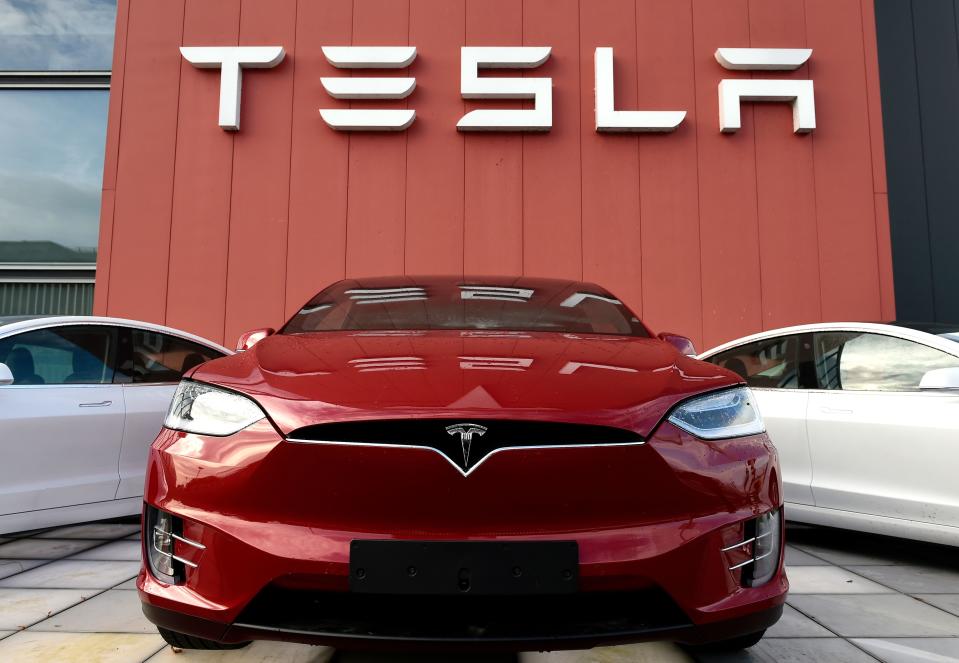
729 413
207 410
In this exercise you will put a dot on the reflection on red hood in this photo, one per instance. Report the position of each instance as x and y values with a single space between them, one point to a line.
622 381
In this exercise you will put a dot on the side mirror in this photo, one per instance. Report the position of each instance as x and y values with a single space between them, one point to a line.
251 338
681 343
941 379
6 376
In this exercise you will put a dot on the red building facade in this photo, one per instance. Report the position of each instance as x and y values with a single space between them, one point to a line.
703 233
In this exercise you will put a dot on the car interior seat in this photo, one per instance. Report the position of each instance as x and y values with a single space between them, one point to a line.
86 367
20 362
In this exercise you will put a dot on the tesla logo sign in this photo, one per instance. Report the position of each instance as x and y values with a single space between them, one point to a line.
232 60
466 433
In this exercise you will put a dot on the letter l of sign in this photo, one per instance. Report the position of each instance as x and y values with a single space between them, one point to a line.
609 120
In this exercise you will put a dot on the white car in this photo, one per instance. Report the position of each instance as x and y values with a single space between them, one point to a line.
81 400
866 421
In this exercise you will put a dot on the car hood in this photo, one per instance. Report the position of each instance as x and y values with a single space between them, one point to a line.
307 379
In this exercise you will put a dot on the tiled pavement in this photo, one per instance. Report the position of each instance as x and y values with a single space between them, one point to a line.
67 595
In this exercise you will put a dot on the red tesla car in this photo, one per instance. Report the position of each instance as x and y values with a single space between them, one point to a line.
504 463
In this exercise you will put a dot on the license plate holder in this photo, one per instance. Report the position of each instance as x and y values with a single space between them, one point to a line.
464 567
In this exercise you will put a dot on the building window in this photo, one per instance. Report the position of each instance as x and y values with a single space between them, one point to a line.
55 58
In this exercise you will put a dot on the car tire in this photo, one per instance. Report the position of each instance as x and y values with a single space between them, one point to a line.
733 644
184 641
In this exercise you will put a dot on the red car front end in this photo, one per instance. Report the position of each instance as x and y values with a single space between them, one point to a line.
415 489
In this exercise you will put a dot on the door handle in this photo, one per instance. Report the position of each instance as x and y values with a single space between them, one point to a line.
98 404
834 410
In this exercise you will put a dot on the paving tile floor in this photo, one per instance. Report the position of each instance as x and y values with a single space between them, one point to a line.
68 594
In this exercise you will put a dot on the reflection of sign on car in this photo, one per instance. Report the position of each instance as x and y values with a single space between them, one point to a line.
231 60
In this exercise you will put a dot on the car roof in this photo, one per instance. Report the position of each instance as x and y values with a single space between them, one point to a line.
15 324
10 319
945 342
937 328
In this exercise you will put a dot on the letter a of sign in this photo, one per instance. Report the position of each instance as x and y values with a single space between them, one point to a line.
473 58
369 57
732 91
231 60
608 119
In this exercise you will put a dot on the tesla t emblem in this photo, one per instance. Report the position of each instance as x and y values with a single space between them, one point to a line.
466 433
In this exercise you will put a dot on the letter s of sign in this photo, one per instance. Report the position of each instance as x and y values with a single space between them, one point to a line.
231 60
473 58
732 91
369 57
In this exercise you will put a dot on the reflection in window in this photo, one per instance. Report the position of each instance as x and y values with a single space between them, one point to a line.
383 296
437 303
56 35
768 364
495 293
51 171
577 298
855 361
152 357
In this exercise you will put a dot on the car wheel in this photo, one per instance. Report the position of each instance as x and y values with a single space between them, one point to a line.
184 641
733 644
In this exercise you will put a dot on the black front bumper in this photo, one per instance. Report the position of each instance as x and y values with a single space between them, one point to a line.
368 621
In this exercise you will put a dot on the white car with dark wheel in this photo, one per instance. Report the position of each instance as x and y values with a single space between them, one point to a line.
81 400
866 421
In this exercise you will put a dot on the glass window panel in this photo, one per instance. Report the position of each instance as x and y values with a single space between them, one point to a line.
855 361
147 356
769 364
56 35
436 304
51 174
60 355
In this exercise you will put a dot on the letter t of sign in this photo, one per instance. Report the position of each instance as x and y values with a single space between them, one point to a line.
231 60
732 91
369 57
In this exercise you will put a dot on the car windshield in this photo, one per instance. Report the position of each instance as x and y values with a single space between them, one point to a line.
524 304
953 336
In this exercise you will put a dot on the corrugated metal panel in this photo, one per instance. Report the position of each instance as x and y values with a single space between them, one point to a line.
46 298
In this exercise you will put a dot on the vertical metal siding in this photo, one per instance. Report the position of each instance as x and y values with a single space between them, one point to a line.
46 298
706 234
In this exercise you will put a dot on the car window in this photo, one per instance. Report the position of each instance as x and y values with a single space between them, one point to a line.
151 357
858 361
437 304
61 355
767 364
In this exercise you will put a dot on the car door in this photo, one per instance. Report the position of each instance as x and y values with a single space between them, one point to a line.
879 445
150 367
772 369
61 421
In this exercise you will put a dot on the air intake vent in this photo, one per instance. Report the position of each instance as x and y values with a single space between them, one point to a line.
464 442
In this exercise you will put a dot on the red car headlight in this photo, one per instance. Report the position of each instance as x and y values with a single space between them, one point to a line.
207 410
724 414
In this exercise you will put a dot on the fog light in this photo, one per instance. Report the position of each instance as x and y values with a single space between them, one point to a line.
767 529
160 538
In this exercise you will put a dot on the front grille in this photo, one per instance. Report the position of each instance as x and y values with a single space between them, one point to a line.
464 443
454 619
422 432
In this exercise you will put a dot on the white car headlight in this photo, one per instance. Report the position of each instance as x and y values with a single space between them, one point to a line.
729 413
206 410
